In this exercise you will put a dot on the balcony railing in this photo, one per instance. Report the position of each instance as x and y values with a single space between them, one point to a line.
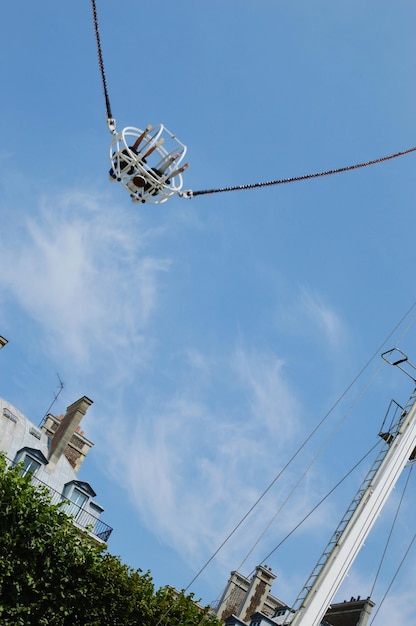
80 517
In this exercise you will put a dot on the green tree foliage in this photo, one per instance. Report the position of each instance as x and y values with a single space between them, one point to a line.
51 574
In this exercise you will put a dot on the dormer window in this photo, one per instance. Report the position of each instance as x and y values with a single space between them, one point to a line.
30 466
77 494
32 460
77 499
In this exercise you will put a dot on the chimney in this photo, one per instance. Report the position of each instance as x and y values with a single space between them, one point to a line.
257 593
233 595
66 430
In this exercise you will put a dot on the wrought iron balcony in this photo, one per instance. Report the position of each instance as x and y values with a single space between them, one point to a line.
81 518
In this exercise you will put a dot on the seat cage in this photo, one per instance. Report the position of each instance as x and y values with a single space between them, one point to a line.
151 172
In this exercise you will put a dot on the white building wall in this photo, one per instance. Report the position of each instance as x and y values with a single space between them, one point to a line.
18 432
23 433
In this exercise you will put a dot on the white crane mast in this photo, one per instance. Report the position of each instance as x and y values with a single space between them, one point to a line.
338 556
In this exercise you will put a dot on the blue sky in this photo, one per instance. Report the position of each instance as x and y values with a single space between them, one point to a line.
213 334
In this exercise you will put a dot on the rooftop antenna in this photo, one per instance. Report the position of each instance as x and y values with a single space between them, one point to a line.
56 396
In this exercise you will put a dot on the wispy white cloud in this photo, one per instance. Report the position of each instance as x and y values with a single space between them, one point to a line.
84 275
193 456
202 464
307 314
272 400
325 319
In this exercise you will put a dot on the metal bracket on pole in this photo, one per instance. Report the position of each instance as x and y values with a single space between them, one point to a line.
399 359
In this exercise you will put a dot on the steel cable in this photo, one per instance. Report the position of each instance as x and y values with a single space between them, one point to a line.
294 179
101 62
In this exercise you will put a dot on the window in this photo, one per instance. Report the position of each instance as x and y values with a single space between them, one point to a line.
29 465
31 458
77 496
35 433
76 501
9 415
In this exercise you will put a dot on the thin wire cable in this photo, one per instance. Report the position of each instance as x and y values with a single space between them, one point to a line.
55 398
342 479
322 500
390 533
311 511
394 578
313 461
292 458
101 61
406 330
295 179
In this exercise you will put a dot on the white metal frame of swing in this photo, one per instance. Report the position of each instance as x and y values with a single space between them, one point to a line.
157 160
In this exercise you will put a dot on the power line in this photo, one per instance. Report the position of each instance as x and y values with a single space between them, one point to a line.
306 471
391 532
396 573
300 448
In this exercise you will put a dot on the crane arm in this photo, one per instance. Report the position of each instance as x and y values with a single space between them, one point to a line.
341 551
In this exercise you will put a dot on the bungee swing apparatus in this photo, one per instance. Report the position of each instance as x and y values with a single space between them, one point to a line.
149 163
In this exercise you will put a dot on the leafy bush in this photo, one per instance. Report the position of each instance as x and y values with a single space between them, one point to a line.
52 574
